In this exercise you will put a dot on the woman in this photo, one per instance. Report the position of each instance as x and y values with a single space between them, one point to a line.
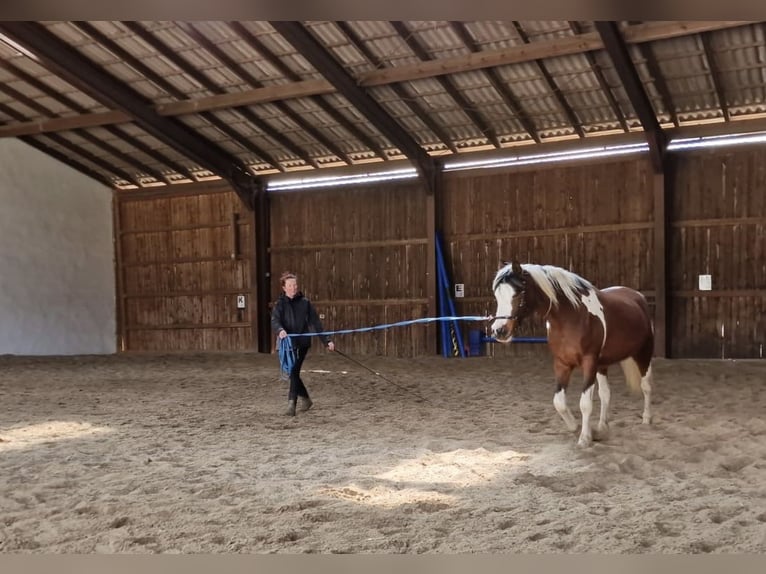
294 314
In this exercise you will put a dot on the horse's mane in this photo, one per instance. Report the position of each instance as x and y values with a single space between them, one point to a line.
553 281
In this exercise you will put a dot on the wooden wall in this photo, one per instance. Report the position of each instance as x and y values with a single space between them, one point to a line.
719 228
594 219
360 254
180 268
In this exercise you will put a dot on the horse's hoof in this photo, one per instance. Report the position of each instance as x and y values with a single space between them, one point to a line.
647 420
584 442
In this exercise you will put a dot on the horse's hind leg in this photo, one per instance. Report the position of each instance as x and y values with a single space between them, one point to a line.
604 395
646 388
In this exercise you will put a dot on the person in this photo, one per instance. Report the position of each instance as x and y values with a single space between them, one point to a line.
294 314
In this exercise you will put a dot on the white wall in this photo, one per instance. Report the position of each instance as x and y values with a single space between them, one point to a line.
57 292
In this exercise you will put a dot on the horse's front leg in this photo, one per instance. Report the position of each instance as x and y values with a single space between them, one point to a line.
562 373
604 395
586 401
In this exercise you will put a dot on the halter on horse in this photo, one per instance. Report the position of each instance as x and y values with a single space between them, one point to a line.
587 327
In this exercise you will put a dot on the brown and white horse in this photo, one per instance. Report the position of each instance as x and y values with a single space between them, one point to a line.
587 327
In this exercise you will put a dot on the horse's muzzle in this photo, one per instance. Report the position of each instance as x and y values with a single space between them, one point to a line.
502 330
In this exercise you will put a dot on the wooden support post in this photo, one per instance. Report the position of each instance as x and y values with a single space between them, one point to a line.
662 189
261 266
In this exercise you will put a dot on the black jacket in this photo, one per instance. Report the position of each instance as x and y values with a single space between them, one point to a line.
296 315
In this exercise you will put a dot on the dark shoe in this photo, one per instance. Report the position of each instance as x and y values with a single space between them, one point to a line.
290 412
306 403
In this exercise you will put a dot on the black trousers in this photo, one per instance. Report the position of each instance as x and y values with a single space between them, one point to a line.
297 388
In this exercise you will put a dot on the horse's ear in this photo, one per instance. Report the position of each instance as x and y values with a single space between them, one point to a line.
516 268
503 264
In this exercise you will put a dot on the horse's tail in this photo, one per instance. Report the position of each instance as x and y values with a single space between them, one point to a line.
632 374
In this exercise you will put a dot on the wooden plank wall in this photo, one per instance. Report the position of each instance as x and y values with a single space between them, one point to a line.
593 219
360 255
180 267
719 228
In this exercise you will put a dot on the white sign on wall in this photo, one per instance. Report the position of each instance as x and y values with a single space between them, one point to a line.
240 301
459 290
705 282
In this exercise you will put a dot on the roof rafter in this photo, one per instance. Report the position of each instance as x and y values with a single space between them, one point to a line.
497 83
63 142
117 131
249 114
605 88
659 81
256 44
618 53
449 86
580 44
399 90
325 64
715 74
39 108
552 85
222 126
82 73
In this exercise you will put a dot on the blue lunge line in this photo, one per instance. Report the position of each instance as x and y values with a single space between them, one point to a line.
286 355
389 325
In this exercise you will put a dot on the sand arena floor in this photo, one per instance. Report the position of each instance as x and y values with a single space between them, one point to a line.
189 454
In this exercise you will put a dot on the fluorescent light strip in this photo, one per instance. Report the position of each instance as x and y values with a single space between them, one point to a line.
602 151
716 141
315 182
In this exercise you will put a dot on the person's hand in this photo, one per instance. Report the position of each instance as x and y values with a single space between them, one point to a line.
331 346
282 334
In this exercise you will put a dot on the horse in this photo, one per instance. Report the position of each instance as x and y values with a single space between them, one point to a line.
587 327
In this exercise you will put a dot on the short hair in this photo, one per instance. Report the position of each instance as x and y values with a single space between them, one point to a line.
285 276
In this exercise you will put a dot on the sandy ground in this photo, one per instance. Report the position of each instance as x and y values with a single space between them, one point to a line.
189 454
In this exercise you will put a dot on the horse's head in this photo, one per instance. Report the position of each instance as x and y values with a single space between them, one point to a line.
509 287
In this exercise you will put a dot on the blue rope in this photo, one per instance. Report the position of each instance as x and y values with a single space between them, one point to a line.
286 355
287 351
389 325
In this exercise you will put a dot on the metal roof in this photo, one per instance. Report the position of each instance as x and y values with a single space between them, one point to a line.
258 103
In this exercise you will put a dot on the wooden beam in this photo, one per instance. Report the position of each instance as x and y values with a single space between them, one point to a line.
581 43
72 66
315 132
537 51
302 40
497 84
715 74
468 108
204 81
408 100
606 89
260 262
658 78
662 189
618 53
553 86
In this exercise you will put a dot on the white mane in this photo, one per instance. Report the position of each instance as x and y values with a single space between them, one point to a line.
552 281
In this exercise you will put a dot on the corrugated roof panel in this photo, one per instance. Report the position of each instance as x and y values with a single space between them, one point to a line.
438 38
578 83
685 69
604 62
492 34
538 30
740 54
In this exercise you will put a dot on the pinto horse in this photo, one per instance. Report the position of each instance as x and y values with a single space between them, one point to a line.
587 327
